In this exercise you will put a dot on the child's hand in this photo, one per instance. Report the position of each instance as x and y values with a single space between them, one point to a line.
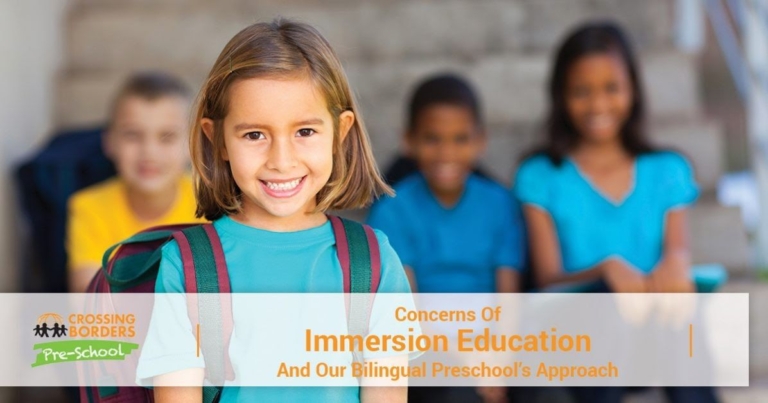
492 394
622 277
671 275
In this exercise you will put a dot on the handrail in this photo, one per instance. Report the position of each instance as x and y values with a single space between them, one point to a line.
726 37
741 30
736 8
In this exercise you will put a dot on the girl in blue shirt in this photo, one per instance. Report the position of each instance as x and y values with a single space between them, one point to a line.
601 204
277 141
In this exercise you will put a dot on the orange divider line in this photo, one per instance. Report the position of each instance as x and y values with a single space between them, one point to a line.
690 340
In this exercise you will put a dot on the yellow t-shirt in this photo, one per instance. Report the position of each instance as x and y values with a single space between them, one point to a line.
99 217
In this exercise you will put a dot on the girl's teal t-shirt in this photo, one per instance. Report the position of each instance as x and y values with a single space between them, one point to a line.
590 226
260 261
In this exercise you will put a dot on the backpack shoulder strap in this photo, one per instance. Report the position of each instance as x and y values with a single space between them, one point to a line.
136 263
205 271
358 251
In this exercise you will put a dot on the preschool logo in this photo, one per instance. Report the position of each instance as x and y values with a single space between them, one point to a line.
84 338
58 329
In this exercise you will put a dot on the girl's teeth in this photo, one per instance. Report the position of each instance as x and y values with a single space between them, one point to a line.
284 185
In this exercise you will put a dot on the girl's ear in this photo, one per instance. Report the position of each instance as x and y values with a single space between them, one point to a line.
208 127
346 120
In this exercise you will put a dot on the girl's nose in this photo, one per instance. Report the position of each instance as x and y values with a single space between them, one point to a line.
282 155
599 104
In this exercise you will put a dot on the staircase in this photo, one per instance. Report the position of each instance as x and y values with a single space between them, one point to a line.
504 47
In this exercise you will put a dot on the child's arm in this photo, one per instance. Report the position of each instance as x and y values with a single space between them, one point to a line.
548 266
186 394
507 280
372 394
671 274
411 278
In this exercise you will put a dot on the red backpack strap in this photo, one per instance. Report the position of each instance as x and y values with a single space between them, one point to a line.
358 251
205 271
375 253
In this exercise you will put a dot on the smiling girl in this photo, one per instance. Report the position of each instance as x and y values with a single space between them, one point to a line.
277 141
600 203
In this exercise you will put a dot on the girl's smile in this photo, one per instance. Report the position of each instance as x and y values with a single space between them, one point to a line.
282 188
279 138
599 96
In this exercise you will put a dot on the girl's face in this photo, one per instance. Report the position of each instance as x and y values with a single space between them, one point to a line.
278 136
598 96
446 142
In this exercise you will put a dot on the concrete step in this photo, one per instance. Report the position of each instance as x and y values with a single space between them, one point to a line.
757 392
751 394
83 99
718 235
649 23
376 30
758 326
511 86
132 37
702 141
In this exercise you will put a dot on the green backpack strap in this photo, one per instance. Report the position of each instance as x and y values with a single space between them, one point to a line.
358 251
138 264
205 271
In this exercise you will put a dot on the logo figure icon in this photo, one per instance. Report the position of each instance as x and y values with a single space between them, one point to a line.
42 328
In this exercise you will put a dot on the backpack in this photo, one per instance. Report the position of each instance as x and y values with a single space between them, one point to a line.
134 267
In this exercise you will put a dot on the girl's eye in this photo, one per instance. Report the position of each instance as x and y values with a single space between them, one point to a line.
305 132
254 135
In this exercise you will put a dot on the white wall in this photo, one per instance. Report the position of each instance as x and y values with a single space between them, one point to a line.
31 48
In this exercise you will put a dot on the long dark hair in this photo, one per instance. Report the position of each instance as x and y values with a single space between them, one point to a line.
589 39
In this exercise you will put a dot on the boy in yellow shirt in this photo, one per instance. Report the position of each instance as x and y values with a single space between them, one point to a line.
147 141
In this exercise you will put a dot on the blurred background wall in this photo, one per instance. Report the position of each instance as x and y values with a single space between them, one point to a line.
504 47
32 48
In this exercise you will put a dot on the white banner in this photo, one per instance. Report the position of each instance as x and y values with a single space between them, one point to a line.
421 339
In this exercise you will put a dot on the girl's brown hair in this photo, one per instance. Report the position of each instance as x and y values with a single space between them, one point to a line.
281 48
